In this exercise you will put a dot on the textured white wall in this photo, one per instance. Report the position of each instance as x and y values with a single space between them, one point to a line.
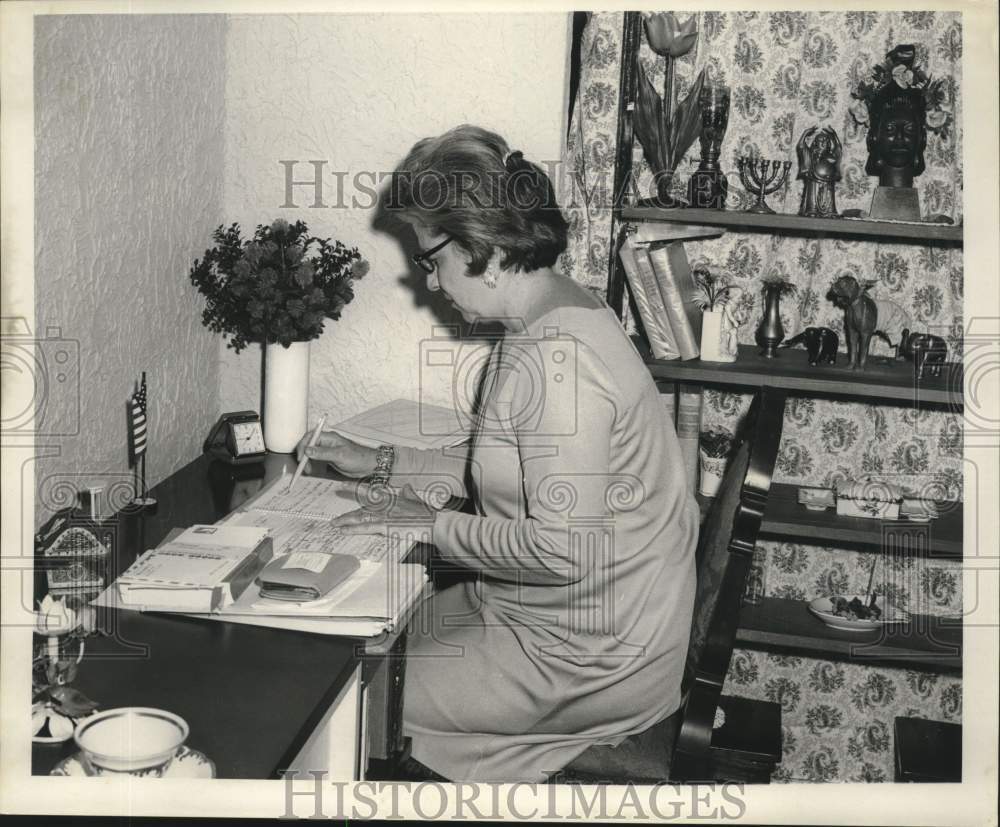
357 91
129 117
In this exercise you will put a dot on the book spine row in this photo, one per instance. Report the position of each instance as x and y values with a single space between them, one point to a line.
663 287
664 290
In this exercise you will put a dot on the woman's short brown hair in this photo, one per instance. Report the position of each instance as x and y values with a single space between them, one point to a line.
468 184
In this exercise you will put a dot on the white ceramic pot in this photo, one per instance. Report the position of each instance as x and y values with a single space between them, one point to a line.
712 469
716 334
286 396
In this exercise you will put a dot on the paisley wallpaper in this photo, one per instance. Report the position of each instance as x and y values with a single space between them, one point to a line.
788 71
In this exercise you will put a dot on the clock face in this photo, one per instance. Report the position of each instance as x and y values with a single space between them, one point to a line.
248 437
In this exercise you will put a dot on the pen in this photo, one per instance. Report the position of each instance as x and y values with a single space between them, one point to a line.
305 458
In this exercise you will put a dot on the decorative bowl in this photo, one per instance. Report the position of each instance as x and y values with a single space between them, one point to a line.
823 608
134 740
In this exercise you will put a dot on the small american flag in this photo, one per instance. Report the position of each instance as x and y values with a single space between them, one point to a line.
138 420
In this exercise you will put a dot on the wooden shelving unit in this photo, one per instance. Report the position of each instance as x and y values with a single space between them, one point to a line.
786 625
925 642
797 225
882 379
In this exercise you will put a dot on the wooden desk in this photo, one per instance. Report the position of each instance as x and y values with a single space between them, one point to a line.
258 700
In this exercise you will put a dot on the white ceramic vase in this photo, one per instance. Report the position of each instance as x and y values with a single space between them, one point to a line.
717 337
286 395
712 471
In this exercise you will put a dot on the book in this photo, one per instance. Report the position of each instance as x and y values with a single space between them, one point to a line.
406 423
689 430
678 290
646 293
204 568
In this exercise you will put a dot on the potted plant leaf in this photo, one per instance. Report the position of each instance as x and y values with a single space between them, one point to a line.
715 296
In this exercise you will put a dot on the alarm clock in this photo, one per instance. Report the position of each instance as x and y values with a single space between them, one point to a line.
237 438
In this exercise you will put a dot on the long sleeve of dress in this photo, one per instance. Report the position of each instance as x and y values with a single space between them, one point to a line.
560 478
442 470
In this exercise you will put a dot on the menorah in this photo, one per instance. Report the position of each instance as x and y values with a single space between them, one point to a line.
761 178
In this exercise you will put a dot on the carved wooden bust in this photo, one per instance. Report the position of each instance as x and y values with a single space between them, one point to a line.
897 136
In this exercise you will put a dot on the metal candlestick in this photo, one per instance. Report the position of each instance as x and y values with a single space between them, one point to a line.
761 177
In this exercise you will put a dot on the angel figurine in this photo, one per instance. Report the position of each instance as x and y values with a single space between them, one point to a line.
819 153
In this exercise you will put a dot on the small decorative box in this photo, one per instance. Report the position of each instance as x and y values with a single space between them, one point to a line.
816 499
869 497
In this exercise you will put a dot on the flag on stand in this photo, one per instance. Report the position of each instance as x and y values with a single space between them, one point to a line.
137 410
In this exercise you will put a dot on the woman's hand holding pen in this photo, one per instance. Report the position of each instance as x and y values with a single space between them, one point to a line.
346 455
399 511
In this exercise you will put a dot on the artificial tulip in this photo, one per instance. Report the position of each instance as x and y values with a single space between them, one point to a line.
54 617
667 38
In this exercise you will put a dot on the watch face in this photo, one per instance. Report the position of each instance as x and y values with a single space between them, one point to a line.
248 437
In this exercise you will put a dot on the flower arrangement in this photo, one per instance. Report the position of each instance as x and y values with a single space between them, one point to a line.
55 705
713 293
278 287
898 68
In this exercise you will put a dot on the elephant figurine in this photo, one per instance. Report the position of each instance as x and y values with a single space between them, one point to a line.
820 342
925 350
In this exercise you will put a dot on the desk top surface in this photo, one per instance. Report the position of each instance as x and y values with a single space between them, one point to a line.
250 694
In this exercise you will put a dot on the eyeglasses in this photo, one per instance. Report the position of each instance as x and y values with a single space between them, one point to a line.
424 260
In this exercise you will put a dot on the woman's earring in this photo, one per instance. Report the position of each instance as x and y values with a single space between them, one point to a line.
490 280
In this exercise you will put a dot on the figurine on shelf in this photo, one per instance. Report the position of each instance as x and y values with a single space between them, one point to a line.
821 344
899 103
860 317
819 153
925 350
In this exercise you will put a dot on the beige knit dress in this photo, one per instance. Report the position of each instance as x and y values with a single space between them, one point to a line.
584 533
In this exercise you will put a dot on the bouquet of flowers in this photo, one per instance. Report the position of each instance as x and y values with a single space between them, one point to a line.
898 67
279 286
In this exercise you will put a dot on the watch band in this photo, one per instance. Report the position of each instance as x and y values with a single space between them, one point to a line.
384 458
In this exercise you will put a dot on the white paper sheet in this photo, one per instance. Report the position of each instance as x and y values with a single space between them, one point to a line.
408 423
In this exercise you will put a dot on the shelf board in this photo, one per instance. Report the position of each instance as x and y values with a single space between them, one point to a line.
926 642
882 379
796 224
940 538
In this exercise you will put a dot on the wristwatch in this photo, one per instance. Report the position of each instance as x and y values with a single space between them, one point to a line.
384 458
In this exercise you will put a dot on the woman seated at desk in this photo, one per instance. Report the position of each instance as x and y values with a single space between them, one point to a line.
576 631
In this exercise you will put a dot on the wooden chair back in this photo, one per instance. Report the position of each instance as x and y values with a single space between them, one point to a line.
725 549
